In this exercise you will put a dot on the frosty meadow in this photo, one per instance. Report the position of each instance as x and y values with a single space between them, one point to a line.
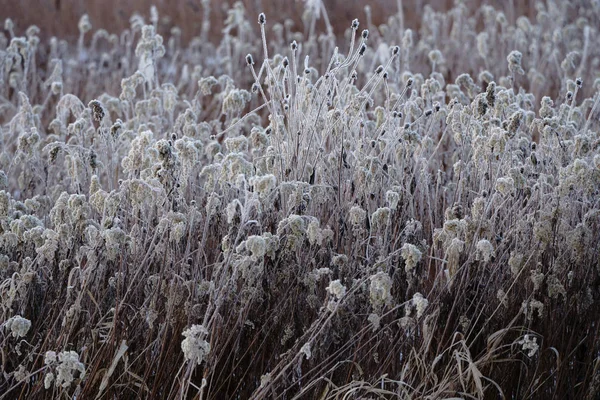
404 209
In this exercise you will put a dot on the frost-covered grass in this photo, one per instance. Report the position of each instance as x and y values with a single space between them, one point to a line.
412 214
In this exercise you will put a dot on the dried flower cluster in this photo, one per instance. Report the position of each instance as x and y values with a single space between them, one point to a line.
392 211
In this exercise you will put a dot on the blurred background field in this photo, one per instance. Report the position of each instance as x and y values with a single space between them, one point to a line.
59 17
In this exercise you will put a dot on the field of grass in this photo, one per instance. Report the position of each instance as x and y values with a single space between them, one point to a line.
392 201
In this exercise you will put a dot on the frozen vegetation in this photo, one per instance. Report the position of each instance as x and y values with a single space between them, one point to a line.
414 214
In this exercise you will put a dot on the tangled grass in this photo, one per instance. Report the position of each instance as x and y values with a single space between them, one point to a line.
412 214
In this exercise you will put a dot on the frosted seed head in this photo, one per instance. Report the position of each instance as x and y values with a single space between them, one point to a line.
514 62
18 326
362 49
420 303
411 255
379 290
195 348
48 379
257 246
3 180
435 56
97 110
485 250
339 260
84 24
336 289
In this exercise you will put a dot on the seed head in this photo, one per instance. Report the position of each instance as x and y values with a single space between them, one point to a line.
490 94
262 19
97 110
362 49
514 62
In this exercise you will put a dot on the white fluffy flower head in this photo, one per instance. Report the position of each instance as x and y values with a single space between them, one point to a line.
257 246
529 344
337 289
18 326
195 347
66 363
420 303
485 250
411 255
379 291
